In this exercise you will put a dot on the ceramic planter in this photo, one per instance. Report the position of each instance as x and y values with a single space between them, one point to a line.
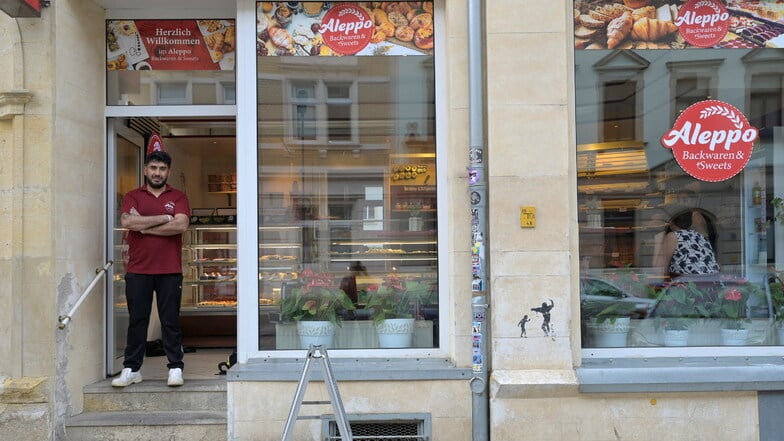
315 333
395 333
609 334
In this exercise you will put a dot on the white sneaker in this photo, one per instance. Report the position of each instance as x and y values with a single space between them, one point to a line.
175 377
127 377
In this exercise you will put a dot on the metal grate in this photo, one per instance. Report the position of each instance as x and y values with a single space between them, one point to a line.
375 427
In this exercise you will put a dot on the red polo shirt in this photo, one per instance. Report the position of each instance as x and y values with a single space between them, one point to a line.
149 254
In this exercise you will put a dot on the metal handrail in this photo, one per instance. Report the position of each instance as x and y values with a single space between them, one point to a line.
99 272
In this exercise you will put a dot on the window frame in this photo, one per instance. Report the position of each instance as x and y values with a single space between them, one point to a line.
247 173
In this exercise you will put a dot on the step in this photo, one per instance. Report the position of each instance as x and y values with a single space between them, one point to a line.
147 425
155 395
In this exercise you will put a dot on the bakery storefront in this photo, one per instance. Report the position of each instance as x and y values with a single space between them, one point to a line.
678 130
346 176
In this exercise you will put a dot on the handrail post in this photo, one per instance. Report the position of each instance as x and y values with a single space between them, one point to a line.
99 272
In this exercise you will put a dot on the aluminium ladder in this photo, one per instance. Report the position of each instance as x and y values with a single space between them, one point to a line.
319 353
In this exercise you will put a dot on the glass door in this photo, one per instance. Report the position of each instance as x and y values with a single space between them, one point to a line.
125 157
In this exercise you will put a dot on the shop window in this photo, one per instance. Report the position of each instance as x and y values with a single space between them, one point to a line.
173 93
347 183
631 191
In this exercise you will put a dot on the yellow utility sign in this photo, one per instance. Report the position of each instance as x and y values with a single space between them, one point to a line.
527 217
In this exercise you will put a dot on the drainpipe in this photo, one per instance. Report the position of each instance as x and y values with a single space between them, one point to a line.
477 185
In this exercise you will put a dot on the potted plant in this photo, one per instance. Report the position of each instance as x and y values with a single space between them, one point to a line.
317 306
608 322
731 303
674 311
392 310
777 298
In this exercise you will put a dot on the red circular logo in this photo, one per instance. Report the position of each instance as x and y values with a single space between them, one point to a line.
711 140
703 23
346 28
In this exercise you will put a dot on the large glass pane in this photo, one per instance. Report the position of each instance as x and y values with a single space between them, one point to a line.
670 257
347 186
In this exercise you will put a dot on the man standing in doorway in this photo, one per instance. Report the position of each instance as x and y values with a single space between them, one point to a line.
156 215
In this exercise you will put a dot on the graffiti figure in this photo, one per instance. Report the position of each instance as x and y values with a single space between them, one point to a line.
545 310
521 324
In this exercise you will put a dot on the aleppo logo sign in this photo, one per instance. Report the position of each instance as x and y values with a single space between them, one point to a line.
703 23
346 29
711 140
155 144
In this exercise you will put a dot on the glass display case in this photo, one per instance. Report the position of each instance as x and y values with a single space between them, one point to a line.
210 273
280 258
210 258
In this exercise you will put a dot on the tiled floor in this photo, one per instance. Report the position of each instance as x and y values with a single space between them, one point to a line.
202 365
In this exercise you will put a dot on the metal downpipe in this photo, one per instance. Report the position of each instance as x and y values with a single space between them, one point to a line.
477 185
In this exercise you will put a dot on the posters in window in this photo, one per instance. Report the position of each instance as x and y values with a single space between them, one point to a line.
207 44
334 29
663 24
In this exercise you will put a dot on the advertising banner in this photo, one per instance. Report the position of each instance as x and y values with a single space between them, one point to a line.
671 24
170 44
338 29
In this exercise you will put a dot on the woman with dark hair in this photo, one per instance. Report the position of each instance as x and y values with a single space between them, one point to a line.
686 247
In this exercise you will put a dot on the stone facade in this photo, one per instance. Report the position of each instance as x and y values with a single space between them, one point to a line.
52 146
52 184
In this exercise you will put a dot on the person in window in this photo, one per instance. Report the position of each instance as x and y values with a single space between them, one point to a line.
349 283
685 247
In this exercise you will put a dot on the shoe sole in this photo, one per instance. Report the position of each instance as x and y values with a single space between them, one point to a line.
125 385
175 384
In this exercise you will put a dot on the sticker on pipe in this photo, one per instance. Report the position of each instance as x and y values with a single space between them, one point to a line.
711 140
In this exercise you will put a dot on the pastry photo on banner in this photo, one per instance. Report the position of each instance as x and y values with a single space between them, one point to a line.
672 24
334 29
206 44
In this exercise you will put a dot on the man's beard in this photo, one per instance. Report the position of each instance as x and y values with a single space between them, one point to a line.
154 185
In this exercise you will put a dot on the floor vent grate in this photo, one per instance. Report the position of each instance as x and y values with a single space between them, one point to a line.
381 427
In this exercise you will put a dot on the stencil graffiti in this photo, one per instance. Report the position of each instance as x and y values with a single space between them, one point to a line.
545 311
521 324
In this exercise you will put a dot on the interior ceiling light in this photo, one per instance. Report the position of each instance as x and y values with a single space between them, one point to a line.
611 159
612 167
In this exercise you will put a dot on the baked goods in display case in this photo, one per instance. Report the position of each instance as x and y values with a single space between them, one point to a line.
209 254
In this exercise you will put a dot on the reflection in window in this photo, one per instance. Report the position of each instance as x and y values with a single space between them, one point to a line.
350 156
631 192
620 110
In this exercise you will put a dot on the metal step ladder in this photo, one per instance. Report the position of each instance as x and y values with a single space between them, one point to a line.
318 353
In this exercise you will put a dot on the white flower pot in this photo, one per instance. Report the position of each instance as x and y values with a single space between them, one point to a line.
315 333
734 337
395 333
609 334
